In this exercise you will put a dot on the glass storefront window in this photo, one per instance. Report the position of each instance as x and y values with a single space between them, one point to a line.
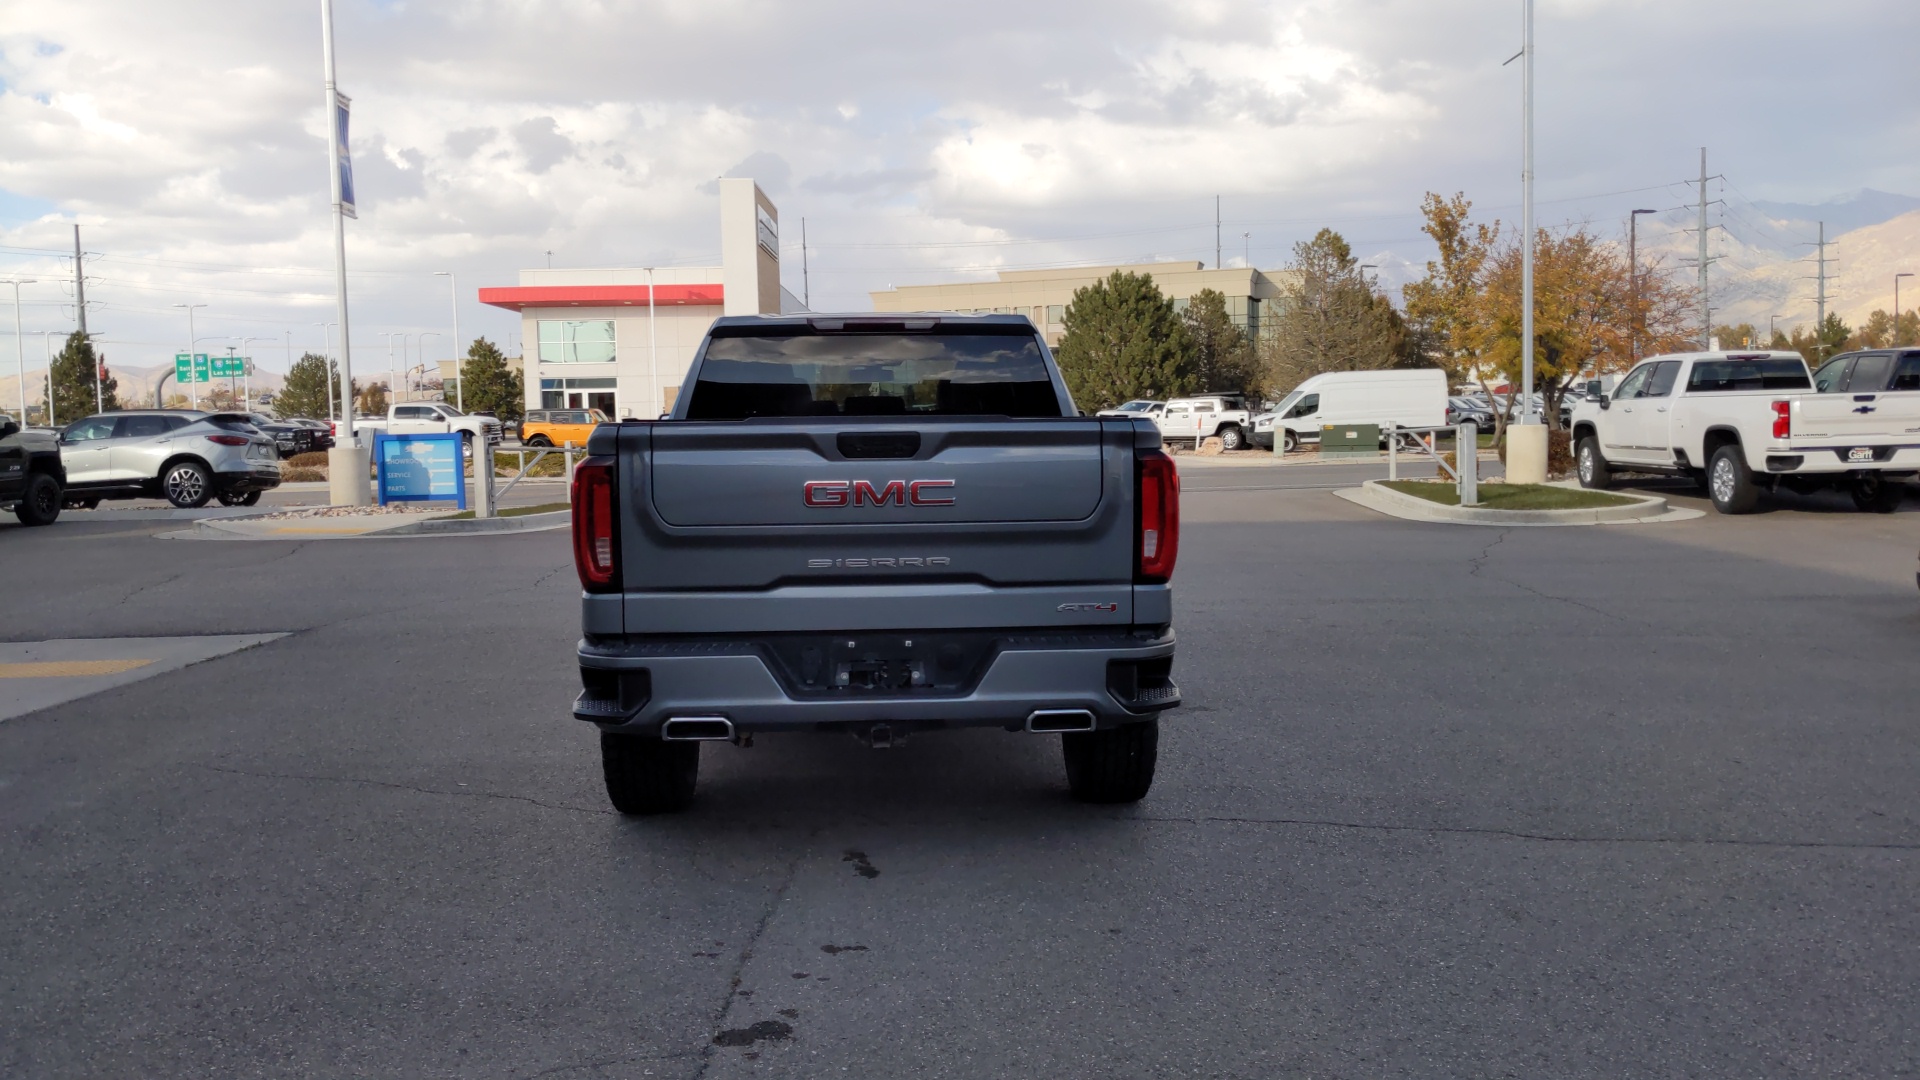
588 341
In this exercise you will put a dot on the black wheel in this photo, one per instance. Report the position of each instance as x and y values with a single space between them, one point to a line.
1114 765
1874 494
1290 442
1592 466
1730 482
647 775
237 499
1231 437
539 440
187 485
39 501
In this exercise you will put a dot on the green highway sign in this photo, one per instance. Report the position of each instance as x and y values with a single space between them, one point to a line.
200 368
229 367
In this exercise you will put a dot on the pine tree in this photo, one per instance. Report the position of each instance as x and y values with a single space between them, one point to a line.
74 371
305 393
491 385
1332 321
1124 341
1223 359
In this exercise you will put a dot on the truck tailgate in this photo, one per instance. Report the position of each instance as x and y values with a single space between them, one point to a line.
809 524
1892 417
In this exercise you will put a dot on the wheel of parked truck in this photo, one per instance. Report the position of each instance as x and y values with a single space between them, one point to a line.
39 501
1592 466
1114 765
187 485
1231 437
539 440
1875 494
1290 442
1730 482
646 775
237 499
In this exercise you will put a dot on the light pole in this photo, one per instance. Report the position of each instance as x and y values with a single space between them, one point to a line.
1527 415
421 349
1633 275
19 349
1895 341
326 361
1771 332
193 380
459 358
393 371
246 373
653 351
1246 249
46 340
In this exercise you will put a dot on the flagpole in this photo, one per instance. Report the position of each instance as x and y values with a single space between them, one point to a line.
348 470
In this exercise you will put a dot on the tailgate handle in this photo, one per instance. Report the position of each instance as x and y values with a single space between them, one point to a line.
871 446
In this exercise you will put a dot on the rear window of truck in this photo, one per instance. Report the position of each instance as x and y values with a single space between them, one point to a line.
942 372
1716 376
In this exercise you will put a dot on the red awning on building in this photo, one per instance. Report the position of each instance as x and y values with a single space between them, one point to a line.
519 297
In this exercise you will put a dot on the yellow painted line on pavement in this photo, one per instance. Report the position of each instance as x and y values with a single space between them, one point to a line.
53 669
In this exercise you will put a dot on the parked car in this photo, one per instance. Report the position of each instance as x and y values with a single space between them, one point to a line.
1152 410
32 479
1461 410
1406 398
1743 422
322 432
509 428
1207 416
288 437
846 528
181 455
558 427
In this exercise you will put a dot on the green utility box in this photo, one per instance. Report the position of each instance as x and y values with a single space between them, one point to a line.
1350 440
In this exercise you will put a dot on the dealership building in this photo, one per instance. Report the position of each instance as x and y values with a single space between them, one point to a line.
1253 296
621 340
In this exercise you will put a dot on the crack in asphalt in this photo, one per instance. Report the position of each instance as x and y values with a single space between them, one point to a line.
402 787
740 963
168 580
1479 563
1516 834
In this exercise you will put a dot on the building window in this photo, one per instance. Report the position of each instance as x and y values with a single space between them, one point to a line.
568 342
1056 314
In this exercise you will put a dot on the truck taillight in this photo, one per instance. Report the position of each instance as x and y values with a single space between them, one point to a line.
1783 419
596 537
1157 494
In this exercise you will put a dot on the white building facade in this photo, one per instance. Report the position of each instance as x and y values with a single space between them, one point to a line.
621 340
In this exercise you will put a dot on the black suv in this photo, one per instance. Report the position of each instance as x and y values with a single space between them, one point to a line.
32 480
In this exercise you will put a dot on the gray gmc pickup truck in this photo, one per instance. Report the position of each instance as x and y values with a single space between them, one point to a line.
876 526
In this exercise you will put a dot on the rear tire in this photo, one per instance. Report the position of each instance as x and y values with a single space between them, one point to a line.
1231 437
1290 442
1114 765
1730 482
646 775
1592 465
1874 494
39 501
187 485
539 440
235 499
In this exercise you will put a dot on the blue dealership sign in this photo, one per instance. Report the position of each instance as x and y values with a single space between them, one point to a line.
419 468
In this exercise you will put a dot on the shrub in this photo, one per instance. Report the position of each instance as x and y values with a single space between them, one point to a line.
299 474
1559 454
312 459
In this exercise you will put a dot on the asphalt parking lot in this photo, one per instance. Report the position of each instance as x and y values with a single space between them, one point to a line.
1443 801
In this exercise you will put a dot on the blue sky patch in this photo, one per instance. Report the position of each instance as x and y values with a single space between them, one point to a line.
19 209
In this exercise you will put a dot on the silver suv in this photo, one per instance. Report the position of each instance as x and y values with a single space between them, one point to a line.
182 456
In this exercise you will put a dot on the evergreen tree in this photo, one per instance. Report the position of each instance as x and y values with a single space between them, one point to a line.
305 393
1223 359
74 371
1123 341
490 384
1332 321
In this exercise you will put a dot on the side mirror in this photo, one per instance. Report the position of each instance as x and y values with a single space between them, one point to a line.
8 428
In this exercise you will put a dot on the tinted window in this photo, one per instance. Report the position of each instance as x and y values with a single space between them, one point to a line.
1660 384
175 423
1907 375
1870 373
141 427
794 371
1832 375
1306 406
1716 376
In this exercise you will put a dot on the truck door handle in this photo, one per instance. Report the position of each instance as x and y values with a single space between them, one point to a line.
1662 408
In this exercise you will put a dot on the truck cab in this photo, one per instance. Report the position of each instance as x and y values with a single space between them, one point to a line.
32 478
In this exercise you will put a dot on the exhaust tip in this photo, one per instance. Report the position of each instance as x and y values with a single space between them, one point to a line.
1043 721
696 729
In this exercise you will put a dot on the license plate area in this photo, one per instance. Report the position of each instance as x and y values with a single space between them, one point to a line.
1860 454
880 665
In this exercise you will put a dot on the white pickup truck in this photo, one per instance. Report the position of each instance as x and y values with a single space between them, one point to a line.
428 418
1739 423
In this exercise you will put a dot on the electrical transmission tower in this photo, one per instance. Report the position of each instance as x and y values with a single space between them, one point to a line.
1819 278
1705 260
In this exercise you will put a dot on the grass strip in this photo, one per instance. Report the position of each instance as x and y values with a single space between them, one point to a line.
1511 496
511 511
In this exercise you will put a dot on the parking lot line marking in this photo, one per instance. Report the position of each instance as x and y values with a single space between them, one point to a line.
54 669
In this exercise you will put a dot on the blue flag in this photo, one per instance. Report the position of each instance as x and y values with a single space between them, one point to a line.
342 104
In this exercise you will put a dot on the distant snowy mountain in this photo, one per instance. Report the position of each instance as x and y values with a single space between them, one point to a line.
1844 214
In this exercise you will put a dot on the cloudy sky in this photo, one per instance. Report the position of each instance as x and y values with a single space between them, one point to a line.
921 142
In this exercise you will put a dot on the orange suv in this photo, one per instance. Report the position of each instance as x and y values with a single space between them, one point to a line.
558 427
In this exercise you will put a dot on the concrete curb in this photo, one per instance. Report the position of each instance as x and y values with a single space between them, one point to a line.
351 529
1645 509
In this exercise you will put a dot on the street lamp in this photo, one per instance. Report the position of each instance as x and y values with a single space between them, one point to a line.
193 381
393 370
421 348
246 373
1771 332
459 358
653 350
326 361
1633 275
19 349
1895 341
46 339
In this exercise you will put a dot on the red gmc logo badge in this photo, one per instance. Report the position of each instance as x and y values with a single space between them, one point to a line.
863 493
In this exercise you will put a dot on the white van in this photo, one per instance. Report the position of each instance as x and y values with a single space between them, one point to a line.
1407 398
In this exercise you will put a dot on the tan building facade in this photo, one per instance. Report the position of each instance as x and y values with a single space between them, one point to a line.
1253 296
621 340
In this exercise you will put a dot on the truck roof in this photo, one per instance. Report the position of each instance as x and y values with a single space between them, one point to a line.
874 320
